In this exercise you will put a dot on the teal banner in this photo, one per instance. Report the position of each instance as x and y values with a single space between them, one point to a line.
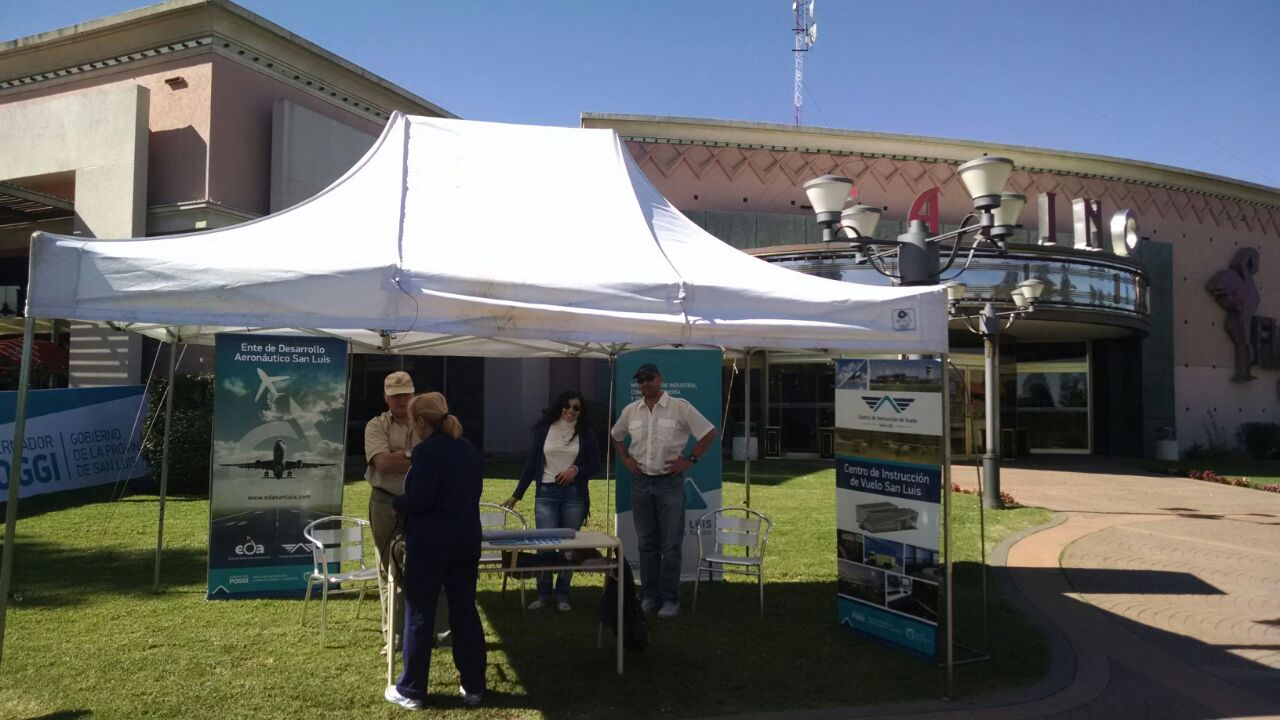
692 375
279 432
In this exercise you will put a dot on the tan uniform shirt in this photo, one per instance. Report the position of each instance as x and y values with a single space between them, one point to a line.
384 434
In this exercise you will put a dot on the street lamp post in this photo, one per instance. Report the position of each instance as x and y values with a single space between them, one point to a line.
989 323
915 258
916 254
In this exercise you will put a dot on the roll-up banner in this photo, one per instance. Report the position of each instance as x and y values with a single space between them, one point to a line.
889 455
76 437
692 375
279 430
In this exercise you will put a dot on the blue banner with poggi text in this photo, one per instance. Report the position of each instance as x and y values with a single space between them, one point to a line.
75 438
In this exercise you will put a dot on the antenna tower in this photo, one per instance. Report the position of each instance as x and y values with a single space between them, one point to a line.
806 30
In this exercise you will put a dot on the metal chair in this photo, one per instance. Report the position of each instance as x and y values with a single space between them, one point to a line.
498 517
739 546
337 553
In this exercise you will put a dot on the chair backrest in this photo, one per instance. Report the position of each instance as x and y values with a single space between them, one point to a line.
497 517
337 543
735 530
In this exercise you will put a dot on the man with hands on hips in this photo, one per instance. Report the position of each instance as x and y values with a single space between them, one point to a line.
659 426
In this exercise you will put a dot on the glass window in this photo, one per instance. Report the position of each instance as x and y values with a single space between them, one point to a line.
801 401
1053 396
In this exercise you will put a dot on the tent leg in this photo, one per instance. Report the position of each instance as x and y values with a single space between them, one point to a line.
608 449
164 462
15 475
746 415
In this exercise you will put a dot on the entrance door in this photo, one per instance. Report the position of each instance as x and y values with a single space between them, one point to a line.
967 388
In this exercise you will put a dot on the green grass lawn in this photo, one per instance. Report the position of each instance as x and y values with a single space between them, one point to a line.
89 639
1259 473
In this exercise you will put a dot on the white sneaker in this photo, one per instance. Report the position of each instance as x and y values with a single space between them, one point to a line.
539 604
648 605
563 606
471 700
393 696
669 610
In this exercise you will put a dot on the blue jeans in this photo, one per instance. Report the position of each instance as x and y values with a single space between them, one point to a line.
657 508
557 507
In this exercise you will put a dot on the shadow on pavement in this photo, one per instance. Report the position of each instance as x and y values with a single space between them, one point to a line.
1143 688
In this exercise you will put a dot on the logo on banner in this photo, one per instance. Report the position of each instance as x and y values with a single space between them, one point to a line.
292 548
250 548
896 404
904 319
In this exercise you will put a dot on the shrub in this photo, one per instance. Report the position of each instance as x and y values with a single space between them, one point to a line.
1206 475
1213 477
1274 487
192 428
1006 500
1260 439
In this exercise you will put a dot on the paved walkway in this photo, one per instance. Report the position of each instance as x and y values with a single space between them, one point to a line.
1160 596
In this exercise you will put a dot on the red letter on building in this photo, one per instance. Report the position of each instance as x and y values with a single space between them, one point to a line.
925 208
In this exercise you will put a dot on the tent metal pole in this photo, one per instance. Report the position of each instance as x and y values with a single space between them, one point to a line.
15 475
608 449
946 530
746 415
164 458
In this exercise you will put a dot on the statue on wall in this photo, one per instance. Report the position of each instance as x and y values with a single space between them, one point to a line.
1235 291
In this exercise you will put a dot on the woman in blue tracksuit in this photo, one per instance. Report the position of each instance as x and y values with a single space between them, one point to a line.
441 511
563 458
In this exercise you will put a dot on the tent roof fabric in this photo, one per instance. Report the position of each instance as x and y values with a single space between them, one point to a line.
473 238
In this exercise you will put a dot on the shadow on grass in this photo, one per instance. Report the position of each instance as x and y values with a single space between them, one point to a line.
56 502
49 575
725 658
63 715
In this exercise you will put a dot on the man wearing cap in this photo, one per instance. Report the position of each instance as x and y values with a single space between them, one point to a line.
388 440
659 426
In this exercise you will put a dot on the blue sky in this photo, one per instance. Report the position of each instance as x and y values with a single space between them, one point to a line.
1177 82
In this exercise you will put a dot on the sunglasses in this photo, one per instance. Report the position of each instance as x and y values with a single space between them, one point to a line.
645 379
571 406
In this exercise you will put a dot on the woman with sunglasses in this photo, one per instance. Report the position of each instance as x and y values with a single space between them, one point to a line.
563 458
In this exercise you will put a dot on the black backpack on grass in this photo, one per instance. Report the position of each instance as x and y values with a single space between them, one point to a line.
635 628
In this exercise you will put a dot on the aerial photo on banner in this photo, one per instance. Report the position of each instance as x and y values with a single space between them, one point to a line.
889 457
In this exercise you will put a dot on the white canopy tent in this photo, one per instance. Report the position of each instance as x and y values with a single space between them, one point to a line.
470 238
479 230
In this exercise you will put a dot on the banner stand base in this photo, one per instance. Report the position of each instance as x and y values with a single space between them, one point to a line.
965 655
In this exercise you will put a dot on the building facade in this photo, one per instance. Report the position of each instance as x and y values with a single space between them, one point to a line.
1133 341
179 117
197 114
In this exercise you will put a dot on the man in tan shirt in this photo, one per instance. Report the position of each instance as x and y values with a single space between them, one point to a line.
388 440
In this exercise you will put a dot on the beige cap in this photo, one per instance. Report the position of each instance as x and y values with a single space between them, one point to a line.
398 383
